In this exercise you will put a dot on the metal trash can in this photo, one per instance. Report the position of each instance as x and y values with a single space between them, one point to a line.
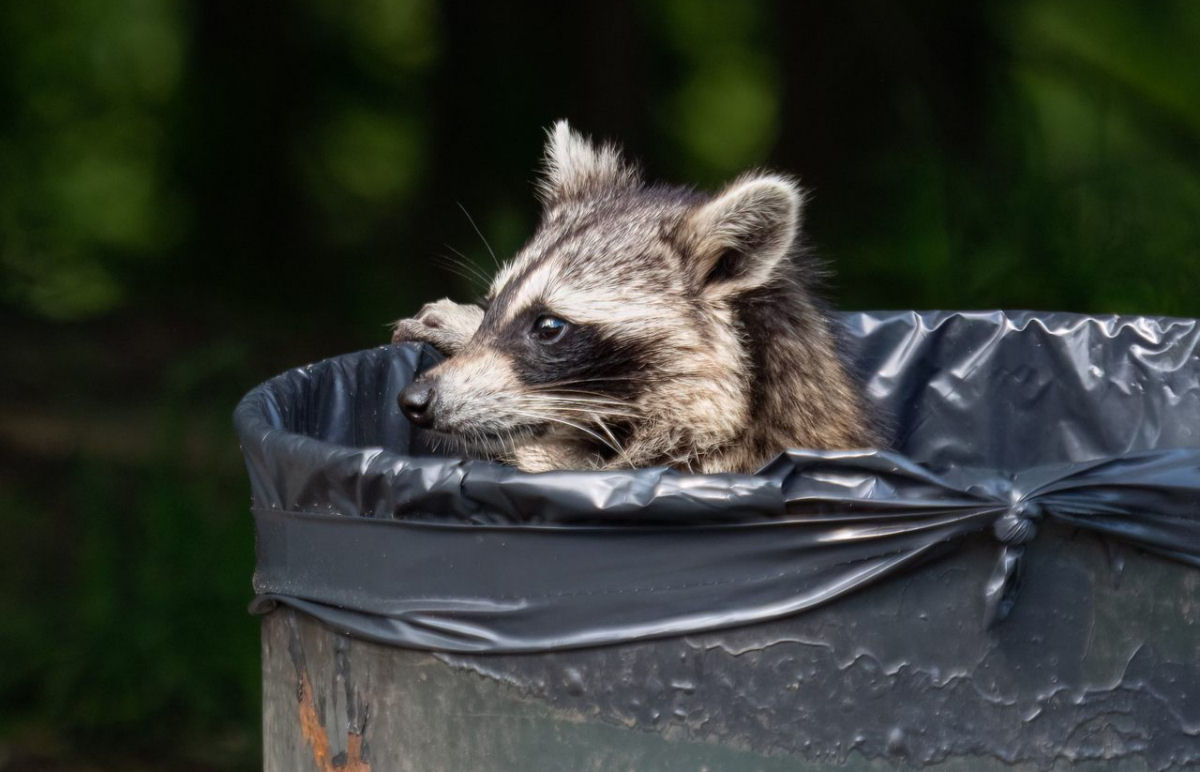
1014 583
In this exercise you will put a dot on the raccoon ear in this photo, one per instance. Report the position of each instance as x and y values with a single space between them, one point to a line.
575 167
736 240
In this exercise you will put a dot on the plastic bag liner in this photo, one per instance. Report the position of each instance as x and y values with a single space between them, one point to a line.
1000 422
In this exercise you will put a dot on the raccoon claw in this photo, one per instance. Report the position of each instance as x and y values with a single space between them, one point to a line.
416 331
429 317
444 324
402 330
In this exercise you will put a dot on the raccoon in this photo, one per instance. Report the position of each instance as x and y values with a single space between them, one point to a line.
641 325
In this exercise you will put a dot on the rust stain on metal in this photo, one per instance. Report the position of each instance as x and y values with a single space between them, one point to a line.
318 738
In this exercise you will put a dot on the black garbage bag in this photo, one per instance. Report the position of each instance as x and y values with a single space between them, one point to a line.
1001 421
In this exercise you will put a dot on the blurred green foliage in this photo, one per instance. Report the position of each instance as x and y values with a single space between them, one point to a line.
86 92
196 194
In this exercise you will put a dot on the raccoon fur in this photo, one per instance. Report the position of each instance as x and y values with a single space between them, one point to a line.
641 325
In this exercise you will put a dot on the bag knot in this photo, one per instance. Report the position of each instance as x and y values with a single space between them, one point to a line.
1019 524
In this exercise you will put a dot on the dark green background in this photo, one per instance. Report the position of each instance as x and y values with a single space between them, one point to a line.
197 195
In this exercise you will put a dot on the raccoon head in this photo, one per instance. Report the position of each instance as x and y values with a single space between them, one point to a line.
612 338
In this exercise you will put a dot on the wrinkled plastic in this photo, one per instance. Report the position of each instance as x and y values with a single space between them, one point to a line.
1000 422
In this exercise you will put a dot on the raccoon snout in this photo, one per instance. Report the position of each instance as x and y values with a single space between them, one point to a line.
416 400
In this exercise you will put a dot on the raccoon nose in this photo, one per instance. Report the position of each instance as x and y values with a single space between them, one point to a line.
416 400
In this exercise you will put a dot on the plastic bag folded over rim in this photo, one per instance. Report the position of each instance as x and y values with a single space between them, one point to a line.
1001 423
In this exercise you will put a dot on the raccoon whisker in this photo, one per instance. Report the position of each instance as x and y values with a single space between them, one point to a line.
536 400
586 394
595 408
582 396
463 267
591 379
508 444
596 419
471 280
457 252
481 236
620 449
564 387
585 382
459 259
591 412
560 420
467 262
574 400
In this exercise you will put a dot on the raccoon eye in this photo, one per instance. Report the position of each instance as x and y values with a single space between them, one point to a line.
548 329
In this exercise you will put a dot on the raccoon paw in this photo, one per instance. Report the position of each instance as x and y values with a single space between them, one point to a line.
444 324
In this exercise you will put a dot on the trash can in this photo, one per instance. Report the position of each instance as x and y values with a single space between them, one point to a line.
1015 581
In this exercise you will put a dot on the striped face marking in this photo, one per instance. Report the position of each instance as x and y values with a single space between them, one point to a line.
619 335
